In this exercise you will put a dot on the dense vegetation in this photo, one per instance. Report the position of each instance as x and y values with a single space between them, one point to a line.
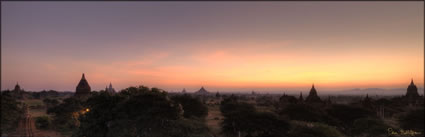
192 107
43 122
135 111
414 119
151 112
11 112
243 119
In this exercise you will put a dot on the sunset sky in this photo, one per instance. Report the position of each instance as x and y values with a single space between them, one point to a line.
223 46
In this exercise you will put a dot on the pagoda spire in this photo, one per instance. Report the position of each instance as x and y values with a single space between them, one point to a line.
312 96
411 82
329 100
301 96
83 87
313 90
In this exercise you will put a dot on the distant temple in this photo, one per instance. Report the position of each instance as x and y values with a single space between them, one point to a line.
412 91
110 89
18 92
312 96
17 88
412 96
367 102
328 101
202 91
286 99
301 99
83 88
184 91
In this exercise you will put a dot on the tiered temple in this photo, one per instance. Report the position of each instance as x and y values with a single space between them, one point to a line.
17 88
202 91
313 97
83 88
412 96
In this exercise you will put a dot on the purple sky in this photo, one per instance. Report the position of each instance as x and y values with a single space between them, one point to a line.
219 45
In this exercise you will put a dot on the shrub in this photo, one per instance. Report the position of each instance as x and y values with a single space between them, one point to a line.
42 122
192 107
369 127
305 129
11 112
413 120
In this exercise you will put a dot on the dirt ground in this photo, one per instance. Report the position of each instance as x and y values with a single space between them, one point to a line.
214 119
26 124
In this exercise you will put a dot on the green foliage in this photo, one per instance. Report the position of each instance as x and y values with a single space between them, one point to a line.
305 129
65 115
42 122
11 112
136 111
131 91
304 112
264 101
192 107
231 104
45 94
369 127
413 120
50 102
243 117
346 114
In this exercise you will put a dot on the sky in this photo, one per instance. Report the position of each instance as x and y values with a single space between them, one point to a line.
223 46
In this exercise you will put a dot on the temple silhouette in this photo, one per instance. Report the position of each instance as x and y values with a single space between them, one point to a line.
17 88
83 88
202 91
313 97
110 89
412 96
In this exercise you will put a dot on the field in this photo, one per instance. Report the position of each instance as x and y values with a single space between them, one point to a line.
264 108
33 102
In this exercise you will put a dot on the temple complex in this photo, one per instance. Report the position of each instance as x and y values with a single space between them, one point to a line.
110 89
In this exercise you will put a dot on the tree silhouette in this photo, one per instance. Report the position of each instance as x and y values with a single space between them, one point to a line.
192 107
